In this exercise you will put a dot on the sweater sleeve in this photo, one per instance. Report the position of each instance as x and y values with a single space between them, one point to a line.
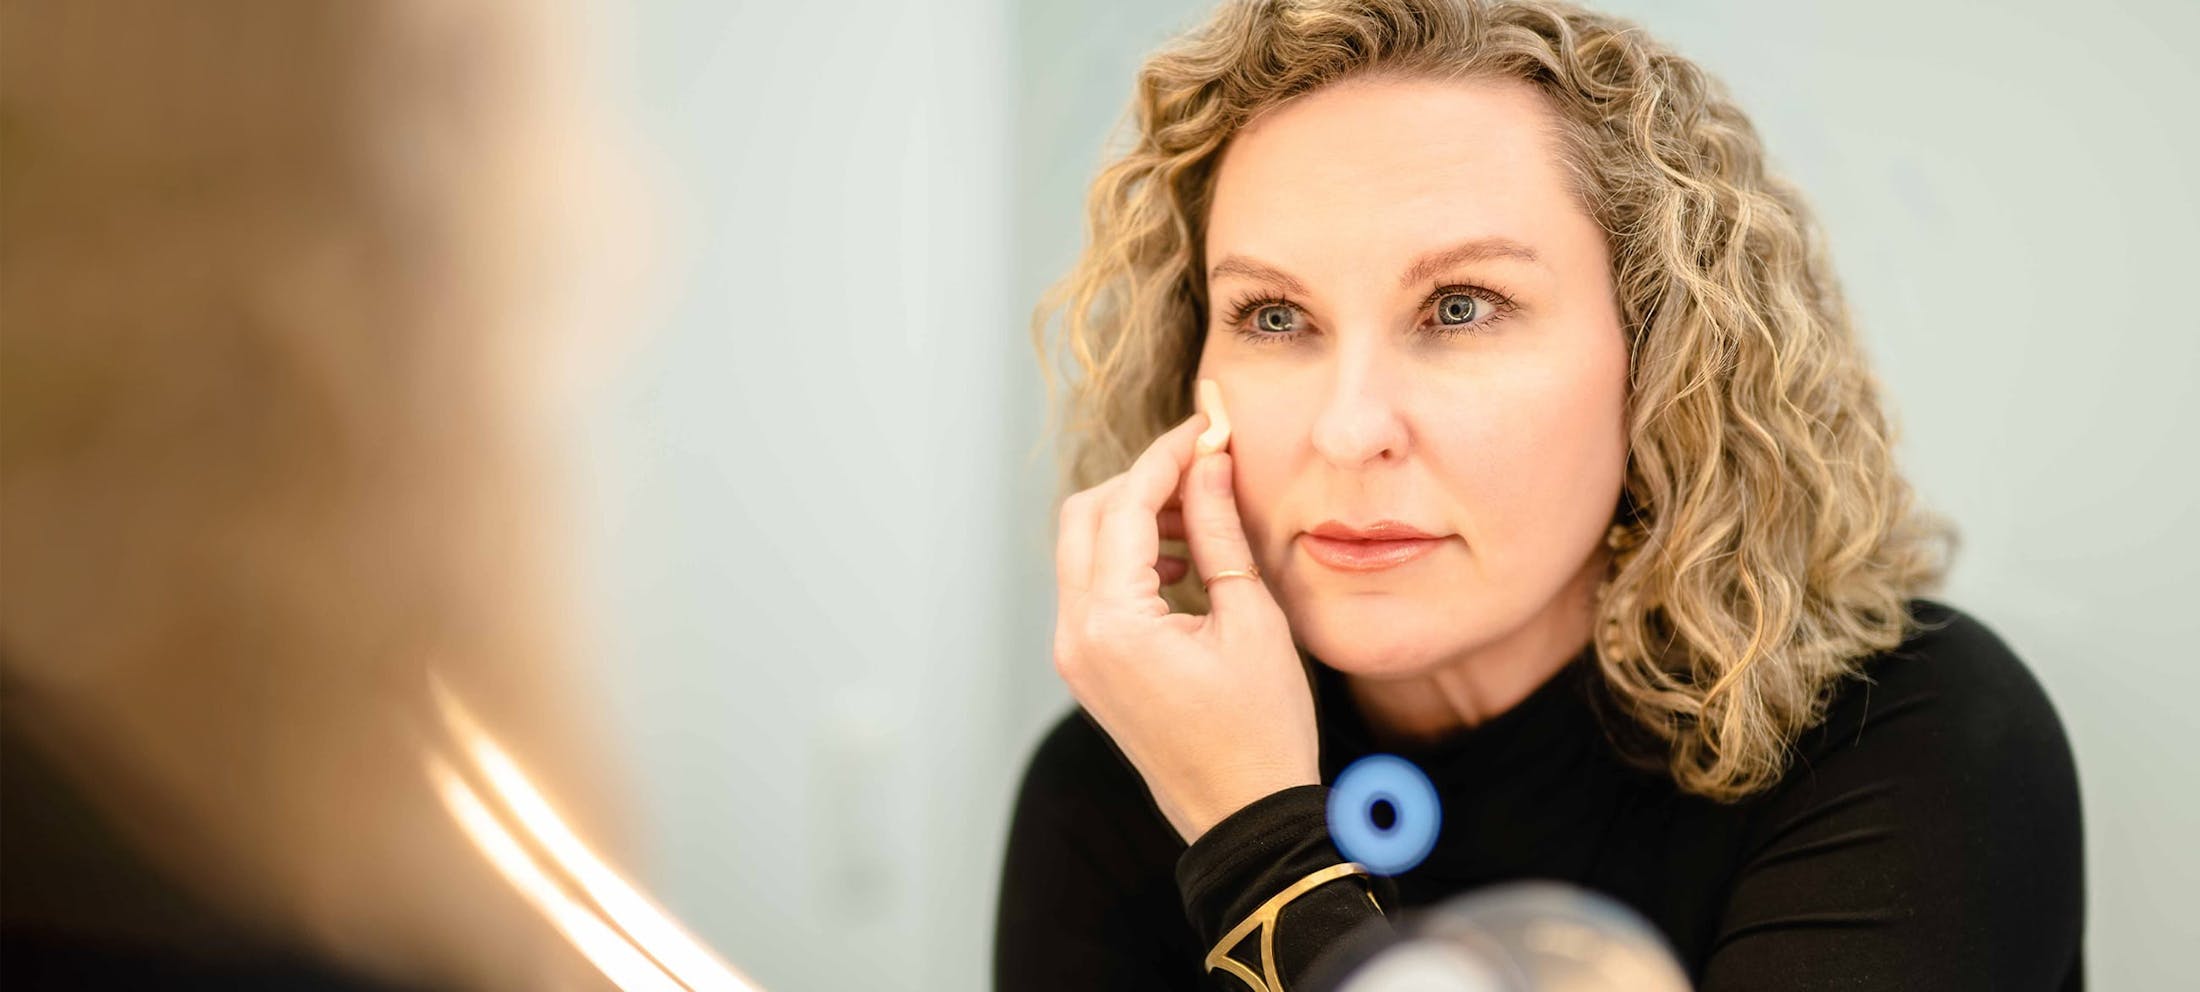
1932 840
1257 852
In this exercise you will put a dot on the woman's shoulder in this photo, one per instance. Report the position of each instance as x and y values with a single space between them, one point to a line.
1088 889
1089 867
1073 755
1948 731
1934 814
1954 687
1078 782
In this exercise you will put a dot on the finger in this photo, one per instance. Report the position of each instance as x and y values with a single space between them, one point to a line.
1130 538
1217 535
1080 518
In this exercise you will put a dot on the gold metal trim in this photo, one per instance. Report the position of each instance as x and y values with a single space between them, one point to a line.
1264 918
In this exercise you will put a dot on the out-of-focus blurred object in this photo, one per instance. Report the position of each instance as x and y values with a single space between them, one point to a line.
289 295
1518 937
1384 780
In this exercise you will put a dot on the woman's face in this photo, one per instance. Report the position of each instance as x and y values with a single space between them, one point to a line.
1412 319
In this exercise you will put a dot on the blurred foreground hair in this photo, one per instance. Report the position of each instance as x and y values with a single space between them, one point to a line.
275 447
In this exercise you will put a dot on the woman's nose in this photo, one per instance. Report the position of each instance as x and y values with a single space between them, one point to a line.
1359 419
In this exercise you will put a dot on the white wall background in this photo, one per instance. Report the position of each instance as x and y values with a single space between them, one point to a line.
823 552
800 478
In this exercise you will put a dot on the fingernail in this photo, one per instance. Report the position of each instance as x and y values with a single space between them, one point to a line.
1218 474
1208 396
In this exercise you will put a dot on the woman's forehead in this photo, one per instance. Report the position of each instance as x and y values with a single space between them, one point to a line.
1389 159
1370 175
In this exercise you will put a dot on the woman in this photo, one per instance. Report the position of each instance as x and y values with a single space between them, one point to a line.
1510 279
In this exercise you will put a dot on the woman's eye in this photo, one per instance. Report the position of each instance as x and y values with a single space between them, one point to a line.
1275 319
1457 308
1454 310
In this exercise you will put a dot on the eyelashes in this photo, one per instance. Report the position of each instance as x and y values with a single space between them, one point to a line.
1490 307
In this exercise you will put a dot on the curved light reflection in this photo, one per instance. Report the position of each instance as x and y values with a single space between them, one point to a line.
642 946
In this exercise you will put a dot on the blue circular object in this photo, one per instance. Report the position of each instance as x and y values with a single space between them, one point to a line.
1384 778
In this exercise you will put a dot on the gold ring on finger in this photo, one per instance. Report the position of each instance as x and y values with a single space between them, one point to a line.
1249 572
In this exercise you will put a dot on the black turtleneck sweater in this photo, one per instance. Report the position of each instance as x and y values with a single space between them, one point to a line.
1925 836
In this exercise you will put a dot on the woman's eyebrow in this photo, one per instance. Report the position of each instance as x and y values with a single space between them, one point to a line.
1422 269
1434 263
1239 265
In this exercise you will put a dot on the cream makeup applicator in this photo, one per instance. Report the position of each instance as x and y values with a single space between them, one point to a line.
1208 396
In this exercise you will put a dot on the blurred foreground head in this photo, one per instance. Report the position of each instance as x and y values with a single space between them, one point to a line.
287 298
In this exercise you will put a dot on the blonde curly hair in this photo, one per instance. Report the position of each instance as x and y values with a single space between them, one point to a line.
1765 543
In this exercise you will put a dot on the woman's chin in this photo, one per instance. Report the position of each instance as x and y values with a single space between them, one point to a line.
1374 641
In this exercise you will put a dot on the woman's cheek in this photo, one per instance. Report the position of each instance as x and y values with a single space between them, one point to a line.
1260 483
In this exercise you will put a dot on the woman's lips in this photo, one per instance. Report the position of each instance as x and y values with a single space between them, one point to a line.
1365 556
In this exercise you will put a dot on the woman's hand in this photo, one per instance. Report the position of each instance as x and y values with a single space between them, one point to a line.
1214 711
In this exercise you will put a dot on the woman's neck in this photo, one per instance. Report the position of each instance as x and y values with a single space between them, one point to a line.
1488 680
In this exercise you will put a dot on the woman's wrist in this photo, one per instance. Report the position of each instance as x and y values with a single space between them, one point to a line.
1198 816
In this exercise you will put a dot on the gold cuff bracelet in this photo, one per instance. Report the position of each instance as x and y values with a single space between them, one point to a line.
1264 919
